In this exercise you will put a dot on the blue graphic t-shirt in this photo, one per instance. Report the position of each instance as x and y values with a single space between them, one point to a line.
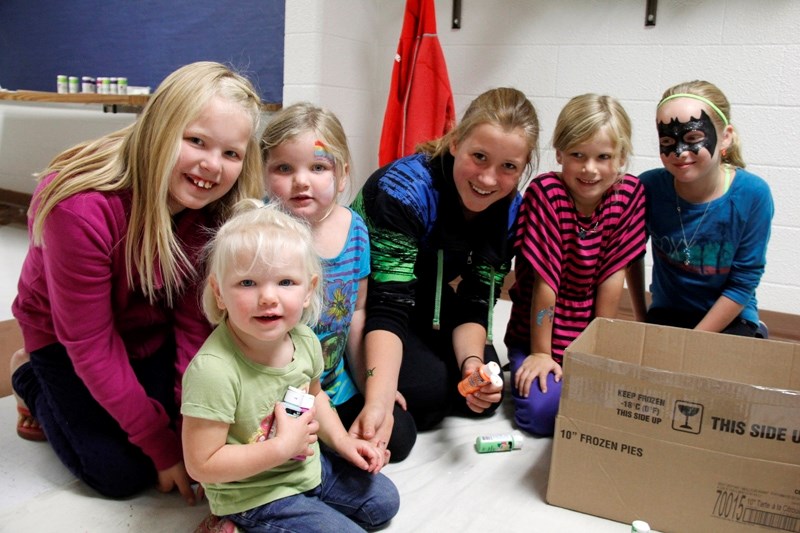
342 275
702 251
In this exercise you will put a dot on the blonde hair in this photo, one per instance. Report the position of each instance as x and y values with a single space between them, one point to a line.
141 157
585 115
261 233
296 119
505 107
712 93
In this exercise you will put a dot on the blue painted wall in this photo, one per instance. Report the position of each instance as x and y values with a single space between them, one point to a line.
143 40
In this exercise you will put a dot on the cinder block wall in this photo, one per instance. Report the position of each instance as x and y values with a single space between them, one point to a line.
339 54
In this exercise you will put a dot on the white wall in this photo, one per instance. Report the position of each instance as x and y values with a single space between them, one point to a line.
339 54
32 134
330 59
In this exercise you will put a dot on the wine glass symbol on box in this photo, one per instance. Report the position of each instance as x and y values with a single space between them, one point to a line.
687 417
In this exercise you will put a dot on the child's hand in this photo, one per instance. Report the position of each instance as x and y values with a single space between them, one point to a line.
295 434
362 453
484 397
374 423
536 365
176 477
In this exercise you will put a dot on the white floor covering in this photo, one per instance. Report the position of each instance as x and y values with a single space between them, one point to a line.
445 486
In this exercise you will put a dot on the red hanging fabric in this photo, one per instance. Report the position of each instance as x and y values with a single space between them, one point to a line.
420 105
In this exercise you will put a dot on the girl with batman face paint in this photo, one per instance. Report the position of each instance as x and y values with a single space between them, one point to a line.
708 219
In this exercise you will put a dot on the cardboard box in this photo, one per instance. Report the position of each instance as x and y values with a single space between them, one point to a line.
689 431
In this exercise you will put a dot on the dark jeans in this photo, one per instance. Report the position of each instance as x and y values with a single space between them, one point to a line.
404 432
686 319
429 376
83 435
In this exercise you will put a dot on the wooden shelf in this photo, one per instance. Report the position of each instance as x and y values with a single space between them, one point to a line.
132 100
135 100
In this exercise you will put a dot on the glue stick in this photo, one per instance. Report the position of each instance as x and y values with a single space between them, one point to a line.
499 443
487 373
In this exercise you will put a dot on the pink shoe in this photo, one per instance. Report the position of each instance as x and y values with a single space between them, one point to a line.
215 524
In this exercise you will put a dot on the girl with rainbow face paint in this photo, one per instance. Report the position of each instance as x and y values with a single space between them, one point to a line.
306 167
708 219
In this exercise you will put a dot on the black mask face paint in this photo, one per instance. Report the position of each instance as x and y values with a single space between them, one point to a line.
680 132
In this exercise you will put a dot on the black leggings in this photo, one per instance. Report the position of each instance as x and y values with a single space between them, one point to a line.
429 375
428 379
404 432
87 440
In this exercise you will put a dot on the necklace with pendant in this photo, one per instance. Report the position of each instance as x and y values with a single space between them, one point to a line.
583 232
579 229
687 249
598 212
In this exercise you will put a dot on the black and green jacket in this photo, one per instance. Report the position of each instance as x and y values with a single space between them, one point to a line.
421 243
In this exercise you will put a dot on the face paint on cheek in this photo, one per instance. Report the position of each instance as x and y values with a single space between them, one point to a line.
322 152
679 131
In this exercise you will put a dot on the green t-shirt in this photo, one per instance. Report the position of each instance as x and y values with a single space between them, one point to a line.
220 384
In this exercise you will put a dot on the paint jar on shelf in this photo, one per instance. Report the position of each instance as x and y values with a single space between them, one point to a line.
62 84
103 85
122 85
88 84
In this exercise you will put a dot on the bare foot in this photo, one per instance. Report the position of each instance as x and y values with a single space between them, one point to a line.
26 421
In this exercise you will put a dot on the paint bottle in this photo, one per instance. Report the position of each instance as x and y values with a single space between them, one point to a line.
640 526
62 85
122 85
296 401
504 442
74 85
487 373
88 84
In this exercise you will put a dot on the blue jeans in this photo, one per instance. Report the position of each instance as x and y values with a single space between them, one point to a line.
347 499
535 414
